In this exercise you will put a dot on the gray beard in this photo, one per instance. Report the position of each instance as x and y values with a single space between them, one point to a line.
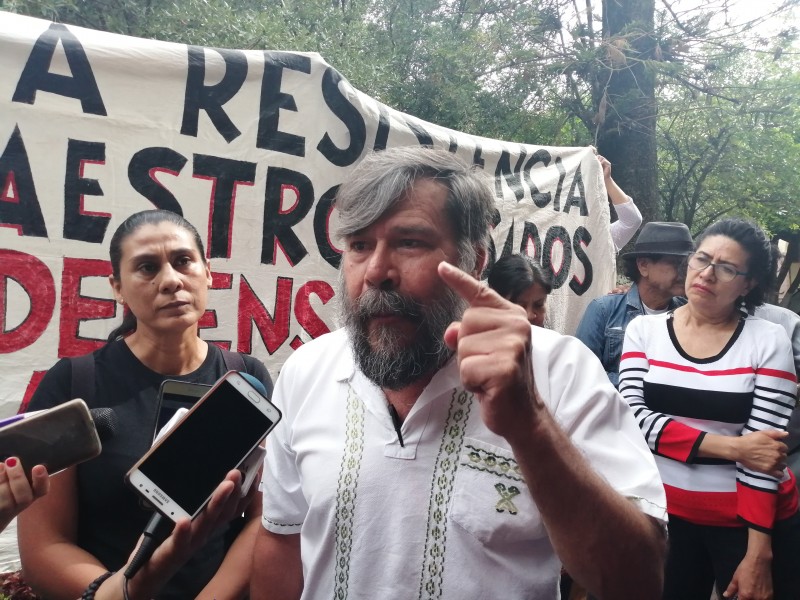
389 361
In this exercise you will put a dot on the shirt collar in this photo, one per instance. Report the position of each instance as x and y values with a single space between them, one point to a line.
632 297
346 365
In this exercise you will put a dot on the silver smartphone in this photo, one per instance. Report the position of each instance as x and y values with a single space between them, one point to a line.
57 438
181 471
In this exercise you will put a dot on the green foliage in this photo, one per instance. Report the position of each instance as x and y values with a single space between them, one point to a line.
458 64
733 154
539 71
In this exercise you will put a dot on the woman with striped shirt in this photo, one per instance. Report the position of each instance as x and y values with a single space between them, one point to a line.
712 388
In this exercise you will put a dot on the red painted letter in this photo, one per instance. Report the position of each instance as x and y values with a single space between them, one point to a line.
34 277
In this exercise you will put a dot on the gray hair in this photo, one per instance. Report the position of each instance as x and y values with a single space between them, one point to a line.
382 178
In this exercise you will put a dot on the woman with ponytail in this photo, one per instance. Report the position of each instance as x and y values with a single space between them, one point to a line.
90 521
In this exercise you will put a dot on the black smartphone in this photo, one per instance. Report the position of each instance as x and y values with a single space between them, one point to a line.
182 469
174 395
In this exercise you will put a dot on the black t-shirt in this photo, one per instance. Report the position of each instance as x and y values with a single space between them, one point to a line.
110 517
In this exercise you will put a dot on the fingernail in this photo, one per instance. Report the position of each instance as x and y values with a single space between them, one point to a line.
11 462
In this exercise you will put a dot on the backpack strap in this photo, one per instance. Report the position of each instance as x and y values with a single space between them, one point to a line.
83 377
233 361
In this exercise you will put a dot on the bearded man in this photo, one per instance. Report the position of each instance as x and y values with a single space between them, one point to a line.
435 447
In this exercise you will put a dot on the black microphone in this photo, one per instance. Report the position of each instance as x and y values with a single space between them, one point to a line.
106 422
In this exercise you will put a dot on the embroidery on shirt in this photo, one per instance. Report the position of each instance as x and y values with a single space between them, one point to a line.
483 460
507 493
346 492
276 524
444 473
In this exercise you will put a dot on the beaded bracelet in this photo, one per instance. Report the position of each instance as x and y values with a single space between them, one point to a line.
89 592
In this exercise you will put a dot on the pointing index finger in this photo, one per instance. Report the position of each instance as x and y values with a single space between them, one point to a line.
469 288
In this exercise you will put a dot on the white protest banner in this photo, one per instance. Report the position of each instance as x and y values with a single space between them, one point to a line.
250 146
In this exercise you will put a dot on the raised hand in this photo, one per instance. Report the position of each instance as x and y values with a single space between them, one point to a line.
605 165
493 346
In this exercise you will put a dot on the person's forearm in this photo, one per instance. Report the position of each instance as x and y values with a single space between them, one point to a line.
759 545
277 567
718 446
602 539
232 579
615 192
760 451
61 571
753 576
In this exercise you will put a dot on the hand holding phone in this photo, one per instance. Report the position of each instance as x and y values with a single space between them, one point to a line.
180 472
185 538
16 492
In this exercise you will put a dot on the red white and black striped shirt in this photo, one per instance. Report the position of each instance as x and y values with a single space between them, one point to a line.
676 398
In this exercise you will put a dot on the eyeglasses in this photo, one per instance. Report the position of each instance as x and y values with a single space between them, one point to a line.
722 271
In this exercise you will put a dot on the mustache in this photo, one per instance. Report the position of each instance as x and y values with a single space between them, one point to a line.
386 302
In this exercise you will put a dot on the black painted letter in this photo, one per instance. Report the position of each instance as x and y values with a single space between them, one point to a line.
19 205
211 98
78 223
226 174
278 221
349 115
36 75
273 100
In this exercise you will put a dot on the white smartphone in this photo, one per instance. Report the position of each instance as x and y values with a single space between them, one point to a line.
181 471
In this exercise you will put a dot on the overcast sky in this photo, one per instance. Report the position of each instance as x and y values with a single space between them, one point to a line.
744 10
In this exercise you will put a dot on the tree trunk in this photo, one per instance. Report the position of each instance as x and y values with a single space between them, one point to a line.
792 256
626 102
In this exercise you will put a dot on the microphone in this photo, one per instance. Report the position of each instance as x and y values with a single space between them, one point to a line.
255 383
106 422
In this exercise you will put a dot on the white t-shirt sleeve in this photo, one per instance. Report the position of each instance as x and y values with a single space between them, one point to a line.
627 224
284 506
600 423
